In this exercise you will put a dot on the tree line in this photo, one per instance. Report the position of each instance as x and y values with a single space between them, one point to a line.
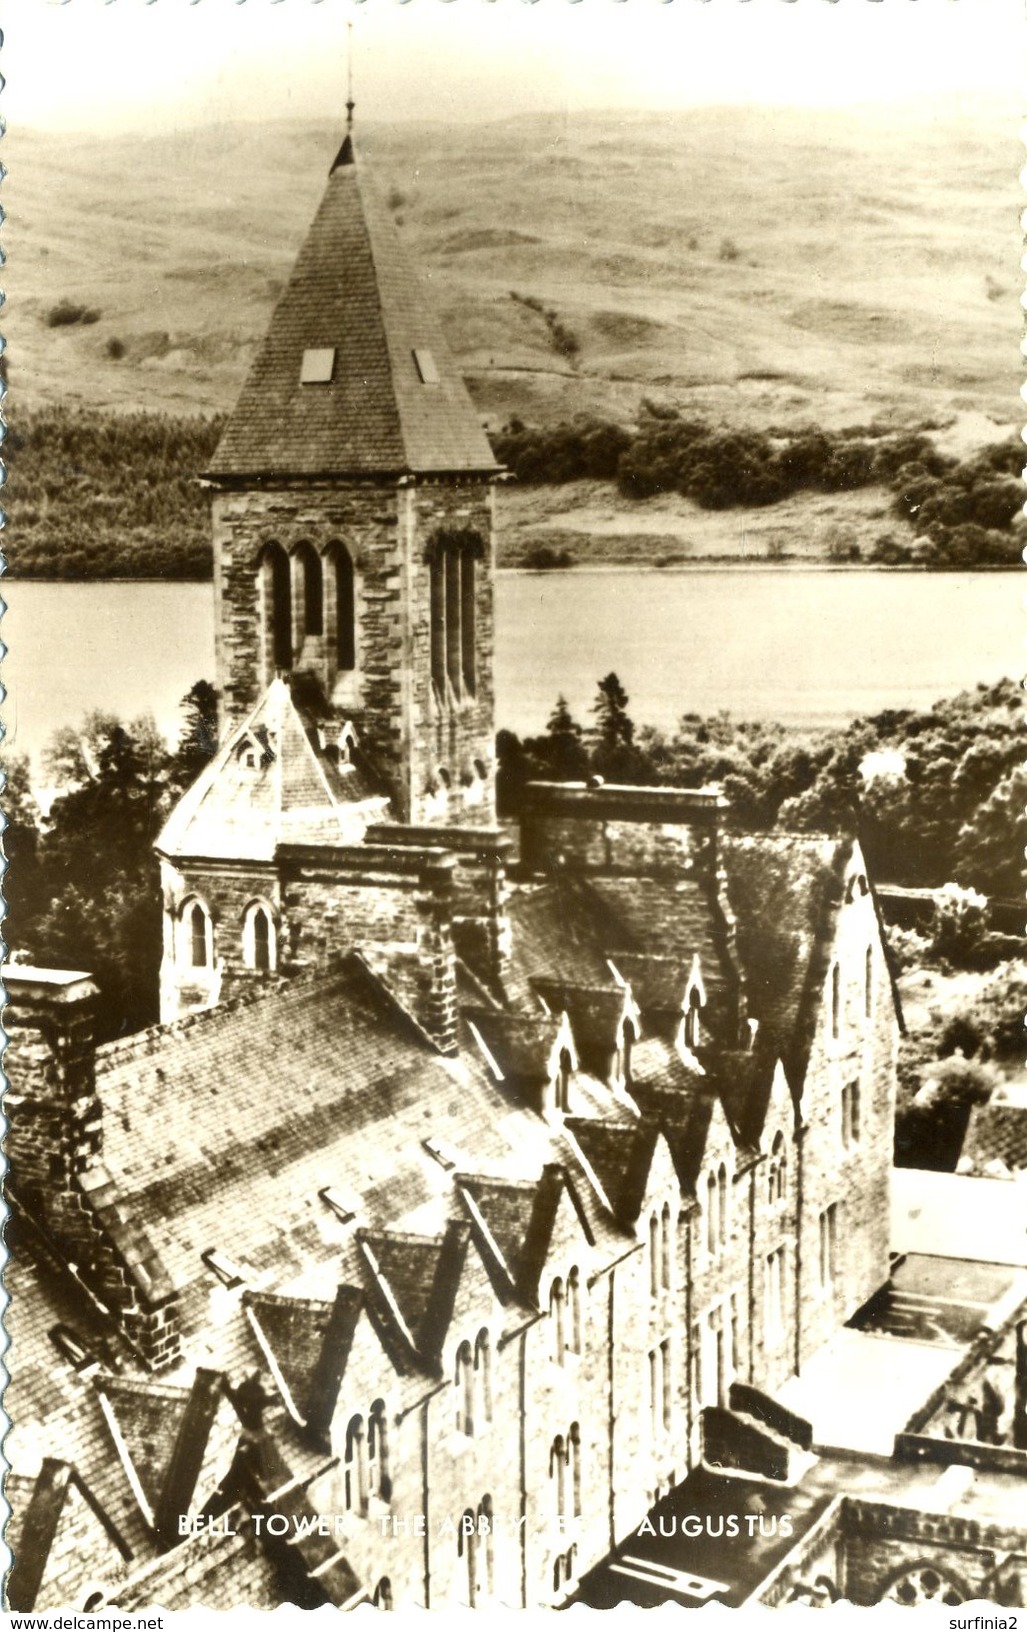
94 495
82 885
962 512
934 795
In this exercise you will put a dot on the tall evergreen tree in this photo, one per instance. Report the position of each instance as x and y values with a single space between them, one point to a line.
564 745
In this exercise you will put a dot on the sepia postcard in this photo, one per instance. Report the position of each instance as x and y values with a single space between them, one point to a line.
515 808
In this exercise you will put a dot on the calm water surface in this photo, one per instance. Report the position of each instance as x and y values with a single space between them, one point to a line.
813 647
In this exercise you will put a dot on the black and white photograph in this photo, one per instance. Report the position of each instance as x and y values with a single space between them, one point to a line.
515 796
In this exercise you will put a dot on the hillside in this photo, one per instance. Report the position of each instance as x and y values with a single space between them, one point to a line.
754 266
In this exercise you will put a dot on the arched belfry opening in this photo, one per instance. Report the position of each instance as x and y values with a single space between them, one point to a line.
275 577
310 592
345 608
453 560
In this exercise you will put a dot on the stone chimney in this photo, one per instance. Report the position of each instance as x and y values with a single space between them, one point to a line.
55 1151
54 1117
436 956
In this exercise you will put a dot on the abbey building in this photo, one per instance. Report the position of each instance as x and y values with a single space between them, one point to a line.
481 1182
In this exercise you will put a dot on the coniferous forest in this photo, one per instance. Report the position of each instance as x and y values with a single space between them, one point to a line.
99 495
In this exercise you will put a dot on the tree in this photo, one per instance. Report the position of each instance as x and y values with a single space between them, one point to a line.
990 845
21 841
199 740
612 738
96 904
564 746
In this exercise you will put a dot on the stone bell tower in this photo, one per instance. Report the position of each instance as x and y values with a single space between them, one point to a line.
352 515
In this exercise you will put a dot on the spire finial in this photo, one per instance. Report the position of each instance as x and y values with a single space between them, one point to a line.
344 156
350 104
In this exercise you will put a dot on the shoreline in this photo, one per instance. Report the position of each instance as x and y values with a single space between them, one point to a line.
701 564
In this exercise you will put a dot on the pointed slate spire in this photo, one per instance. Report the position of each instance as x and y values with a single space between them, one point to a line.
354 376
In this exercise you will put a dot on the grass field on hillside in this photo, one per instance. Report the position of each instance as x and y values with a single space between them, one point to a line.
753 266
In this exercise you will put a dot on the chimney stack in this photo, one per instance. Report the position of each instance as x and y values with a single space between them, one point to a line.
54 1116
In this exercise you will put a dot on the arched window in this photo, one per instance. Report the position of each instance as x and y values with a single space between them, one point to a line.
452 593
654 1254
311 588
574 1457
199 937
454 645
777 1172
724 1200
468 604
574 1311
627 1039
354 1473
692 1012
258 937
483 1374
487 1531
467 1548
666 1254
345 609
437 617
556 1315
868 984
558 1475
924 1583
276 588
656 1386
836 1000
464 1383
563 1080
382 1598
378 1481
712 1227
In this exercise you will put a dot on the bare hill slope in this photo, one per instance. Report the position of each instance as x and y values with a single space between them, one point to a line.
758 266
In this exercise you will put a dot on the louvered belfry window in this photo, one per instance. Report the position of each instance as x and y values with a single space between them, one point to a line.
453 610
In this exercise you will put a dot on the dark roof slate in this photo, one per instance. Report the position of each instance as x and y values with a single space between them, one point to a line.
620 1155
310 1340
422 1274
149 1416
521 1045
520 1216
353 290
996 1136
786 892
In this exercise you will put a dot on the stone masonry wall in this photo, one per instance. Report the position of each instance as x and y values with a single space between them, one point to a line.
408 733
851 1173
977 1560
632 830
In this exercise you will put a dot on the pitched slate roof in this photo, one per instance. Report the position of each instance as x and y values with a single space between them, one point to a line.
418 1277
570 930
554 933
236 1158
271 783
620 1155
786 892
394 401
55 1522
520 1045
519 1217
307 1341
155 1422
995 1140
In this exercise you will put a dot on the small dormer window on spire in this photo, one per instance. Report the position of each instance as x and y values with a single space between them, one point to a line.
318 365
426 366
